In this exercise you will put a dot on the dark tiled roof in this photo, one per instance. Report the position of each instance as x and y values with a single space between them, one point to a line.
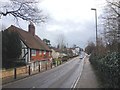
31 41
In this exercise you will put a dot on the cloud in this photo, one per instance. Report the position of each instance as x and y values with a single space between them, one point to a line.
73 18
68 9
75 32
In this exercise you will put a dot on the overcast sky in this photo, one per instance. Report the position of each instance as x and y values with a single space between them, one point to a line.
72 18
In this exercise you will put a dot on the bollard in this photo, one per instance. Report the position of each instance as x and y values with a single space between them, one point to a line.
60 62
39 67
15 73
51 65
46 66
29 70
56 63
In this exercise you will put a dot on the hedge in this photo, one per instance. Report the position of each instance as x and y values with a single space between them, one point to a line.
108 67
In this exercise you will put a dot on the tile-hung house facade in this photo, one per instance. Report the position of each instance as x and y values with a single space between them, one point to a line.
34 49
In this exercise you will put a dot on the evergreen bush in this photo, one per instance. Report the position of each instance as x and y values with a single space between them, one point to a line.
109 67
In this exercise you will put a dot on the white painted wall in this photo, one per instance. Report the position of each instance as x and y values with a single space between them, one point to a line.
55 54
24 51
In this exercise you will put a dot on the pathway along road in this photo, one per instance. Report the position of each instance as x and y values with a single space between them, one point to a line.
63 76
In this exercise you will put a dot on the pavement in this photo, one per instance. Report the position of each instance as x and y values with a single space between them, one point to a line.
88 79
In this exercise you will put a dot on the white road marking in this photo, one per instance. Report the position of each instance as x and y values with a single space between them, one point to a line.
76 81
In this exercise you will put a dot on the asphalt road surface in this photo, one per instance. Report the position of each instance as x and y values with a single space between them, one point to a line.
63 76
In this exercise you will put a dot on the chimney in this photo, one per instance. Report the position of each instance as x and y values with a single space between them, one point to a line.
31 28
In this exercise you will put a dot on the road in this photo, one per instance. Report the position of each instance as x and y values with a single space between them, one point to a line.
63 76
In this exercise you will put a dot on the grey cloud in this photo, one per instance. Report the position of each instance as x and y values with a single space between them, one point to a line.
75 32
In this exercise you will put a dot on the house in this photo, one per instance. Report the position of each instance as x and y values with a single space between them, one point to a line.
55 53
69 52
58 53
73 51
34 49
77 51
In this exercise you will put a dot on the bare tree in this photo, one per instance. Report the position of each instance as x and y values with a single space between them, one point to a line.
25 9
61 41
114 5
111 23
90 47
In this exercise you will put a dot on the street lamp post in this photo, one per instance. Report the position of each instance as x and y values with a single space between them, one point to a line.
96 25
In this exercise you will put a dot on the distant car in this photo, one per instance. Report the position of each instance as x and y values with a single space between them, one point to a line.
81 55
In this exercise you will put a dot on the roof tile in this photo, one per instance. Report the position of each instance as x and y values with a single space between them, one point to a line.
31 41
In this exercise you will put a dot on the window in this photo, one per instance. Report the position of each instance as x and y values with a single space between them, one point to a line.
40 52
44 52
33 52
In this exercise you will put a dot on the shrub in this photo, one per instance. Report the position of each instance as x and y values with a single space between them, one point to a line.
108 66
11 48
56 60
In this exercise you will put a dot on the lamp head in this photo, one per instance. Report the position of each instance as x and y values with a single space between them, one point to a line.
93 9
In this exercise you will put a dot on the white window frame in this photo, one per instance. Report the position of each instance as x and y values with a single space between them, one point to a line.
33 52
44 52
40 52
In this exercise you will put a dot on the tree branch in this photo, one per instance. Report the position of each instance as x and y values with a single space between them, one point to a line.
27 11
114 8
